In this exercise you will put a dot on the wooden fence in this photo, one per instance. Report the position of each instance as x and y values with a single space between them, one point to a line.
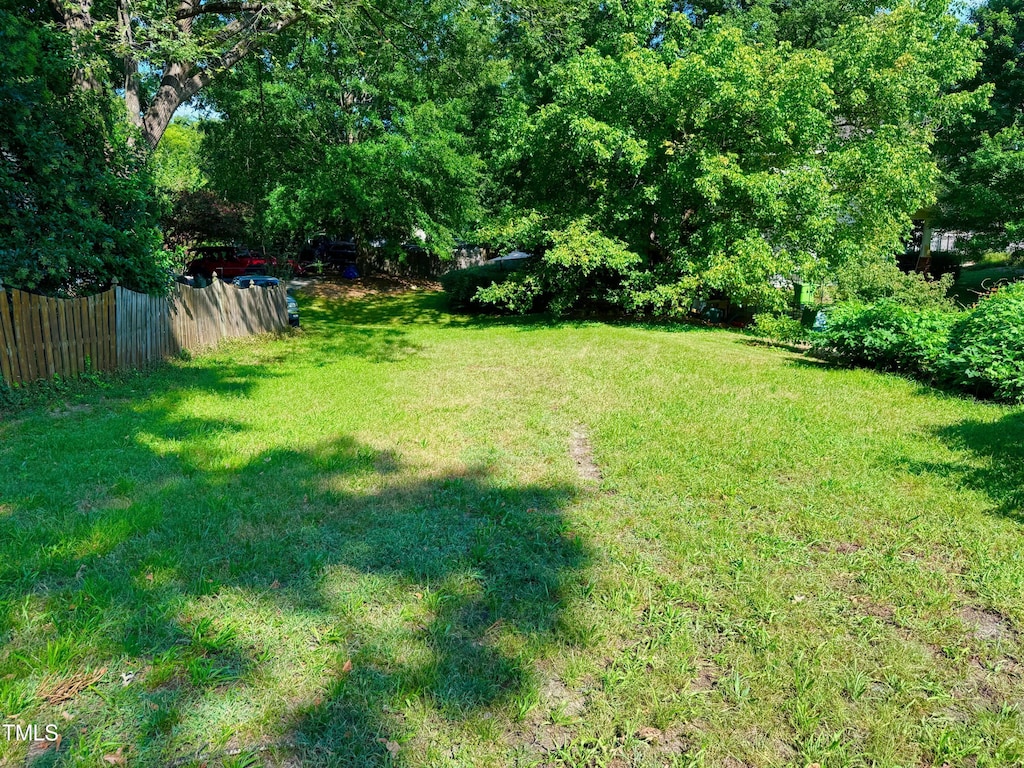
41 337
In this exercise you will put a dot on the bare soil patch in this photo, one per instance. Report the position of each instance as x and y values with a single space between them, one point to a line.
583 454
986 625
555 694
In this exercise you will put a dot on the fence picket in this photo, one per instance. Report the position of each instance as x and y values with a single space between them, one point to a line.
8 365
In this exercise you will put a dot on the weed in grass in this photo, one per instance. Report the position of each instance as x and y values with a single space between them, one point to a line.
855 684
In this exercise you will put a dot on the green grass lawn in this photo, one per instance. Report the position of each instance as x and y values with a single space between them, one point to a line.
375 543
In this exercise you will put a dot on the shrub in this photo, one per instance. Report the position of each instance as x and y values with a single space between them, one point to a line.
462 285
581 268
986 347
519 294
873 282
889 336
780 329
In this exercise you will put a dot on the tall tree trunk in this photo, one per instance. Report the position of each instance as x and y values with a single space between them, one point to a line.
76 19
132 99
181 80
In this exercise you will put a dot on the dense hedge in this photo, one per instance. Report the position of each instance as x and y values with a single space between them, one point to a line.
980 351
986 347
889 336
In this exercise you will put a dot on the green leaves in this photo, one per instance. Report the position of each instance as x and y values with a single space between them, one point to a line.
725 162
76 207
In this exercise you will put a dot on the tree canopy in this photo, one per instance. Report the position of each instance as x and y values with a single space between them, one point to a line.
983 193
649 152
77 205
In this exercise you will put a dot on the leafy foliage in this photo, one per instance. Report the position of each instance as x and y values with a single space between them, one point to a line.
579 268
875 281
986 349
889 336
200 216
779 328
77 205
724 162
177 160
340 133
984 166
462 285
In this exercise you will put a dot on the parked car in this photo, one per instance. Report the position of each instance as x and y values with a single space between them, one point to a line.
293 311
227 261
230 261
260 281
329 251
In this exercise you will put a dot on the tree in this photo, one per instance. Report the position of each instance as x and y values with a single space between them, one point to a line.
726 162
337 132
76 207
984 167
159 55
177 161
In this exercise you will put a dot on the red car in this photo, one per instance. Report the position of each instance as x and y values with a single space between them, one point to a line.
230 262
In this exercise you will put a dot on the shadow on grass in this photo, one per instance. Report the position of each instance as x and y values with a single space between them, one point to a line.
138 541
431 308
997 469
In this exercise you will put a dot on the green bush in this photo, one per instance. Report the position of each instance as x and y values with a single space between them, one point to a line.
780 329
520 294
872 282
462 285
986 347
889 336
580 268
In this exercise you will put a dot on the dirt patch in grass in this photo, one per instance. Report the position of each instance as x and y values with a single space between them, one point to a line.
671 741
868 607
986 625
555 695
705 679
583 454
839 547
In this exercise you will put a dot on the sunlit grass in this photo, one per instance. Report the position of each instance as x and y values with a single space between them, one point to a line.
368 544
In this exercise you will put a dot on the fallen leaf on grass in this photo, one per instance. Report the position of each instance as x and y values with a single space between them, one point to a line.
347 666
115 758
390 746
275 584
149 576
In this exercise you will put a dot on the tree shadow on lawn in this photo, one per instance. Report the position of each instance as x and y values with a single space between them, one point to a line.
997 469
431 308
183 560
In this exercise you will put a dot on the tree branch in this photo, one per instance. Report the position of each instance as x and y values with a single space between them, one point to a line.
219 8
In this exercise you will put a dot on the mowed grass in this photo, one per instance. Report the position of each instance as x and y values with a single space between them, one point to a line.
373 543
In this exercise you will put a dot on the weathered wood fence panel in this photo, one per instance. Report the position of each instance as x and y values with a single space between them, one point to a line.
42 337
